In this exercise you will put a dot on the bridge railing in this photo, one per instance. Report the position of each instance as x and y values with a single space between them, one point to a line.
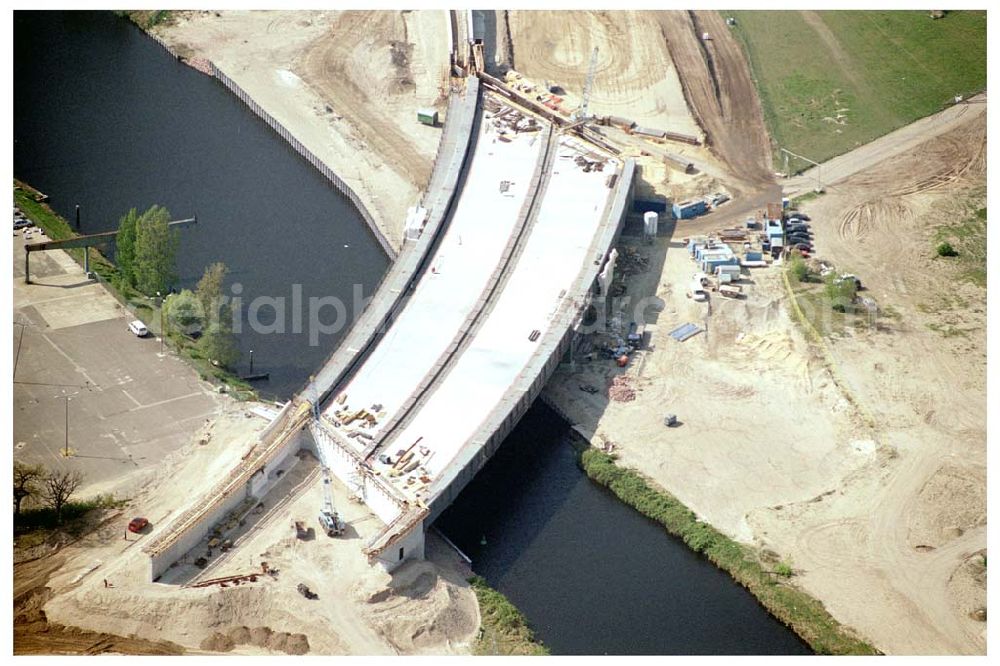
454 152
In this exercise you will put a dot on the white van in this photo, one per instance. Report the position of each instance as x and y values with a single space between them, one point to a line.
138 328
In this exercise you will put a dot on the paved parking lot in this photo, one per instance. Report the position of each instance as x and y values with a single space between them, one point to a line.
128 405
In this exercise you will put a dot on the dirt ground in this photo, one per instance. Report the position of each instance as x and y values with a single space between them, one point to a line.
345 83
719 89
880 507
877 501
423 607
634 76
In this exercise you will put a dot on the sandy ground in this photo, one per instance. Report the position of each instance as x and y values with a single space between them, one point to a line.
634 76
881 519
880 508
346 84
423 607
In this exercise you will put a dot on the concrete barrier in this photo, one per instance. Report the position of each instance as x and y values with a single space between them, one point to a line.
454 154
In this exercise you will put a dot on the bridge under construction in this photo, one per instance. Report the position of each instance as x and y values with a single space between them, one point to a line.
504 255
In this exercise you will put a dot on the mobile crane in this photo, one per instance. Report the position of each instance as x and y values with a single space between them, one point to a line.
329 520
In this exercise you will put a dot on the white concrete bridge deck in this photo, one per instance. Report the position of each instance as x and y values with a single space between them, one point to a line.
459 341
572 204
484 219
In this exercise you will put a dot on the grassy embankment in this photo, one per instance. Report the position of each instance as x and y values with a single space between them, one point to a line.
968 238
827 91
804 614
505 630
35 525
56 228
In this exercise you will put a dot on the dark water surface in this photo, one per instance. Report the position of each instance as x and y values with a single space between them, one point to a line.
592 575
105 118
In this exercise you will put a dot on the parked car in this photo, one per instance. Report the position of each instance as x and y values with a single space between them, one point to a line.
23 223
797 227
138 328
848 276
805 247
137 524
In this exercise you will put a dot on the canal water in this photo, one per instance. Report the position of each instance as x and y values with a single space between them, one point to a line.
104 118
592 575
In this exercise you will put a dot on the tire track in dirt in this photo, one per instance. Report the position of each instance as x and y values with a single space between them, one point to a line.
325 67
720 92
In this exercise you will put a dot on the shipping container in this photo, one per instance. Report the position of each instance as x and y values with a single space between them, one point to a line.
649 131
687 209
427 116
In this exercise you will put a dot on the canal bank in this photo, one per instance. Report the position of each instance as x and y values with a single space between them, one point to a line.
599 596
764 579
107 119
591 575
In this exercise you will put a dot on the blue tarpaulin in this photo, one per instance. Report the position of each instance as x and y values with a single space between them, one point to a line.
682 333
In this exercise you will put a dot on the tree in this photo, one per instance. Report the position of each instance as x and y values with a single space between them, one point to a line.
59 488
798 268
125 247
26 478
840 291
217 341
155 248
209 291
183 312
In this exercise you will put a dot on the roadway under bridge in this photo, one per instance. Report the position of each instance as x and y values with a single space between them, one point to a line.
523 210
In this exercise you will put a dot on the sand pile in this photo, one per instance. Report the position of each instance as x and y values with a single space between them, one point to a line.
951 502
621 389
420 611
262 637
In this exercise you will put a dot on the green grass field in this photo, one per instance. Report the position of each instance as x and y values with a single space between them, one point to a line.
826 91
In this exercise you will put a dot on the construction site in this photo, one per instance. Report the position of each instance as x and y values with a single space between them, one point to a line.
594 221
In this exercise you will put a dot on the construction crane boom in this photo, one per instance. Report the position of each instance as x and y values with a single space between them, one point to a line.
329 520
582 111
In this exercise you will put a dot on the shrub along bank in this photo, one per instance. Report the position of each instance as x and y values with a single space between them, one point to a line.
504 629
798 610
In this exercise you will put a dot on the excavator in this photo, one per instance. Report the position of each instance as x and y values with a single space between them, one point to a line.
329 519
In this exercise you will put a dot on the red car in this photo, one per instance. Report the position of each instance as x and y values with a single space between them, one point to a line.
137 524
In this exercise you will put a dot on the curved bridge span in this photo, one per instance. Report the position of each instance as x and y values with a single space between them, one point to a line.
519 220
